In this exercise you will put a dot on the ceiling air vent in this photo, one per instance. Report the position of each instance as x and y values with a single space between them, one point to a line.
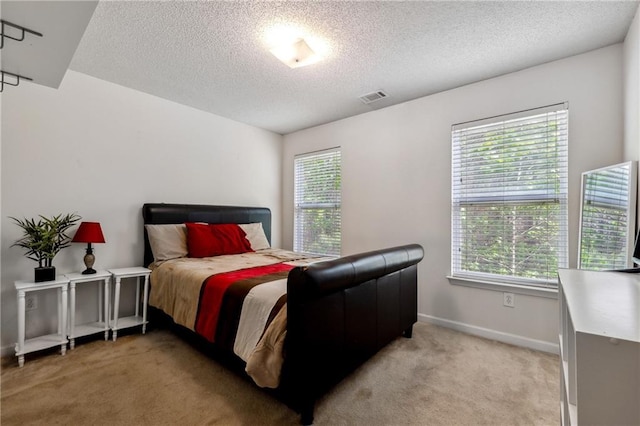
373 97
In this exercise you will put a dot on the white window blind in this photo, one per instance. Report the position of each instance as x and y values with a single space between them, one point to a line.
509 197
317 195
604 221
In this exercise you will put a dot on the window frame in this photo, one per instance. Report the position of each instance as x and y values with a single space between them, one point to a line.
459 276
334 202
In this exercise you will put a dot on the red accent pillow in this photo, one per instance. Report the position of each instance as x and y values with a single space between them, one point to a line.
206 240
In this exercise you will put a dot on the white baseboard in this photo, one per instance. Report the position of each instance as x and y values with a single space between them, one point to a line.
487 333
512 339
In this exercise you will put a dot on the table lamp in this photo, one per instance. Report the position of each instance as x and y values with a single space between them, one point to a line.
89 232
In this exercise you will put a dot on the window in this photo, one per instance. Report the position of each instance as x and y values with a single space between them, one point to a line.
317 194
509 197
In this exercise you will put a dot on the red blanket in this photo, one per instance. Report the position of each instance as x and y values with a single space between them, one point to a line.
222 296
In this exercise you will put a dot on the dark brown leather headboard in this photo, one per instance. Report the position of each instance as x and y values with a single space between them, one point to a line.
161 213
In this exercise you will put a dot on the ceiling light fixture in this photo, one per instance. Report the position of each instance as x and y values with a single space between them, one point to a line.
296 54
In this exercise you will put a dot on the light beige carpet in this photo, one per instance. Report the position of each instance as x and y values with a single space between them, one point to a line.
439 377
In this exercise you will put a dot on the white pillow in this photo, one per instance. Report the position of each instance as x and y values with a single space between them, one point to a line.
255 235
167 241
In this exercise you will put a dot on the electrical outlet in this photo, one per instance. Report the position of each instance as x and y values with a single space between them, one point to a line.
31 302
509 300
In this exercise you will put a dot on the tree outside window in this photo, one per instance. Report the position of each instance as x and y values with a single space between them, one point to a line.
317 199
509 198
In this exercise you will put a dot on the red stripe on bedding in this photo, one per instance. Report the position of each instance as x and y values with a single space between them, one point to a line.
213 290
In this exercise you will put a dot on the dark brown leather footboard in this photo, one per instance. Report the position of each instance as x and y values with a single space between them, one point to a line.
342 312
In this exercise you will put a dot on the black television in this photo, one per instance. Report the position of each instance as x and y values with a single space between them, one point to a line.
635 257
636 250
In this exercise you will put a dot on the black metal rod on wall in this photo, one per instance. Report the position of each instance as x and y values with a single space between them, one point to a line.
15 83
18 27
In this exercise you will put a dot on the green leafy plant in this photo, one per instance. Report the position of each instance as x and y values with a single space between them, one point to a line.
45 237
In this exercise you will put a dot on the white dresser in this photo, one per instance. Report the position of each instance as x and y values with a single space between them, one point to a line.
599 347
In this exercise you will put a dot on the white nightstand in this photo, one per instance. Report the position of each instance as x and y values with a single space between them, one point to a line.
102 324
42 342
136 319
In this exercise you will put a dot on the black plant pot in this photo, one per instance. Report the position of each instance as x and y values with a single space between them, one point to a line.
46 273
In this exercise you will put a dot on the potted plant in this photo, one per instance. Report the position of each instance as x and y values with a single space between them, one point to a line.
43 239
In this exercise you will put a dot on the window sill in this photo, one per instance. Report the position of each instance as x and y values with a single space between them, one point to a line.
549 293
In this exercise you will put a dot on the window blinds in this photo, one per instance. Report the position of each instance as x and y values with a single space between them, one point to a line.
604 221
509 197
317 195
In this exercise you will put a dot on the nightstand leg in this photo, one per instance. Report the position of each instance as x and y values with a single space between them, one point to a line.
72 312
137 314
100 304
116 308
63 322
145 296
60 311
107 284
72 343
21 319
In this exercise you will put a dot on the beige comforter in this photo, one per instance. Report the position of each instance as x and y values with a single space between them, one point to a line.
175 289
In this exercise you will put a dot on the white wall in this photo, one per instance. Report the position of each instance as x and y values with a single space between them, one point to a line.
632 91
102 150
396 176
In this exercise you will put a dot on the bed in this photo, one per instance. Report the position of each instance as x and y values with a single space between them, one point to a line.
326 318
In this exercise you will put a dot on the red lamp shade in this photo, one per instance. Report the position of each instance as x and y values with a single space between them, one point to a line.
88 232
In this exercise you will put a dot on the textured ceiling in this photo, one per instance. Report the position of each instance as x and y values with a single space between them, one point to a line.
213 55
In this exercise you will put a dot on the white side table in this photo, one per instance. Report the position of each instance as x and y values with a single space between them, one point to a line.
42 342
136 319
102 324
